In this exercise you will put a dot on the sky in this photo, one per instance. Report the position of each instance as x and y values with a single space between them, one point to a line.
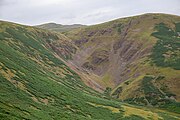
88 12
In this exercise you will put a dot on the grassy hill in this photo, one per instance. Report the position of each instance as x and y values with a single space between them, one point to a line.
59 27
136 59
35 83
41 72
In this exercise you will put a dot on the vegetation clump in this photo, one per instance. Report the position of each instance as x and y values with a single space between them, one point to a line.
166 52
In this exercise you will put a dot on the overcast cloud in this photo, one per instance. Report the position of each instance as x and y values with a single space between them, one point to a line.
32 12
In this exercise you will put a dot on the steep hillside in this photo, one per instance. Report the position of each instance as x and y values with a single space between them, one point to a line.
138 58
36 84
59 27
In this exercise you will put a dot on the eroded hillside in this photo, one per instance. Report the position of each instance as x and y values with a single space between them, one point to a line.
136 57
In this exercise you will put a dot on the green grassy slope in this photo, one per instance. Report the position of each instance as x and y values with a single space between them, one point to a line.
163 68
35 84
166 51
58 27
123 52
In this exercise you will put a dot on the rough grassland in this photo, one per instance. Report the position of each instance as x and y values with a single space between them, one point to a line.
35 84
